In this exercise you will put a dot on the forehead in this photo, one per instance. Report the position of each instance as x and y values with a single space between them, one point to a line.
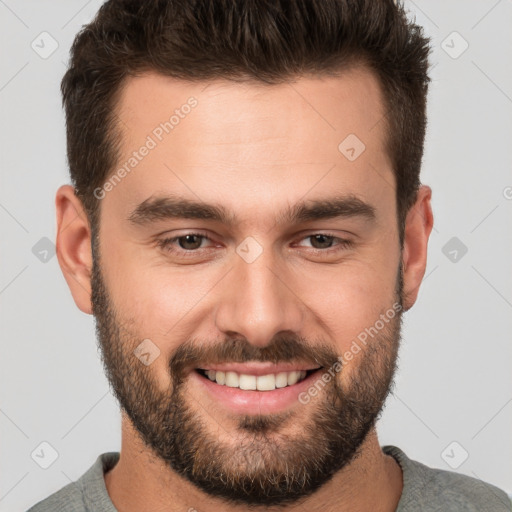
331 104
254 141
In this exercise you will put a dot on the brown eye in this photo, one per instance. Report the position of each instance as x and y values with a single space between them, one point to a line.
190 242
326 244
321 241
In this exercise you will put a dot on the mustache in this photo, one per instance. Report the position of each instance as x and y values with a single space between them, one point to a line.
282 349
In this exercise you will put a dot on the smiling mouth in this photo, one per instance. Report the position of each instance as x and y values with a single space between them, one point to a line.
267 382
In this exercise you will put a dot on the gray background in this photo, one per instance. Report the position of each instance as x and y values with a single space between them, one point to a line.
454 382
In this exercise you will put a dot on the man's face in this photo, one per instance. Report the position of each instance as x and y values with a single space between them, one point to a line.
260 292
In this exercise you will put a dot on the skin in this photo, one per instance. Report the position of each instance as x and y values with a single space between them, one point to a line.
255 149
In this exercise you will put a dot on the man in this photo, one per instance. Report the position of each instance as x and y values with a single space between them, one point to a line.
247 226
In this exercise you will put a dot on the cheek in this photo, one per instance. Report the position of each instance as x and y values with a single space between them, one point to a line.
348 299
145 290
161 302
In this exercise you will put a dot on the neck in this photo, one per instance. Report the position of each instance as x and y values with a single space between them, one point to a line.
139 481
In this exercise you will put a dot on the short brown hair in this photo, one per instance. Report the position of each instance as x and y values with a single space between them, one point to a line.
269 41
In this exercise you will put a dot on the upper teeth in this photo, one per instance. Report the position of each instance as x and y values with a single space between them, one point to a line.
259 382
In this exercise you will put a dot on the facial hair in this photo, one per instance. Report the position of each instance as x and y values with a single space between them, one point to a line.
260 466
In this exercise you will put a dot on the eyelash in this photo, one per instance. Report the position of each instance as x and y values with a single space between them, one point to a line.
167 244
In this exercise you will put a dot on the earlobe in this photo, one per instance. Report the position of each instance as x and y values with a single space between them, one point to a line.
418 227
73 246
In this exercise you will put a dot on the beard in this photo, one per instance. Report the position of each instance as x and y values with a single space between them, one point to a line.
262 464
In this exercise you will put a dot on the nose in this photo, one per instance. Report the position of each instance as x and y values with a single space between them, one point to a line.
258 302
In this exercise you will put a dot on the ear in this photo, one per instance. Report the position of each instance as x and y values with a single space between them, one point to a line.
74 246
418 226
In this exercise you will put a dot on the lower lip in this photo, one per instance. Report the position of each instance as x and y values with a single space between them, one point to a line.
252 401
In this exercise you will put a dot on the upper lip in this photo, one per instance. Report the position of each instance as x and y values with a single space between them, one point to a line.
259 368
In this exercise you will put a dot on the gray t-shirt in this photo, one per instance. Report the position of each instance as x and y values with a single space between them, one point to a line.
425 489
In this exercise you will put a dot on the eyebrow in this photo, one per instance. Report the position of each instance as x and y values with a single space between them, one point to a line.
176 207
